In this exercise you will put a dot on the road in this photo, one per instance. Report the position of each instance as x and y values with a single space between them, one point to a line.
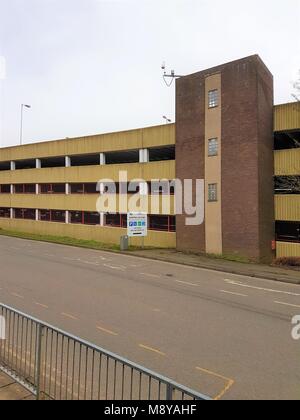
226 336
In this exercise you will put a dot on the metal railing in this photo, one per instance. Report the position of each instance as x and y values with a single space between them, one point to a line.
55 365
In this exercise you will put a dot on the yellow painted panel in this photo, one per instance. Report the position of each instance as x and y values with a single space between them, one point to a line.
5 200
287 249
287 207
102 234
287 117
213 168
159 136
86 202
124 140
287 162
146 171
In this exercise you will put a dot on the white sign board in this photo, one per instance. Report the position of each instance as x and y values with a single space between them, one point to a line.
137 224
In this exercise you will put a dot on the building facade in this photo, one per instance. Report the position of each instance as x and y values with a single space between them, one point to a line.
287 179
232 105
227 133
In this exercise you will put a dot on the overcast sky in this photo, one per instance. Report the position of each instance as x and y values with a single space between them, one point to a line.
93 66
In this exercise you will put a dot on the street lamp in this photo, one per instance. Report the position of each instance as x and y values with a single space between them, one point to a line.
167 119
21 128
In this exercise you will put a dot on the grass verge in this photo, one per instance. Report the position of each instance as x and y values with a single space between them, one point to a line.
62 240
232 258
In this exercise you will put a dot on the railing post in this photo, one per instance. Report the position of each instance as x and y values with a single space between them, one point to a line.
39 362
169 395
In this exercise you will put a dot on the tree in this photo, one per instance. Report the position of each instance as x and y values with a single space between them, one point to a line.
296 86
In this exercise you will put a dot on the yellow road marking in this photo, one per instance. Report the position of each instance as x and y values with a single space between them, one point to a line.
229 382
69 316
151 349
226 389
41 305
18 296
106 331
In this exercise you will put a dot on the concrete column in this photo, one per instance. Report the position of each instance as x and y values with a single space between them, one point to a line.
12 166
68 189
37 215
144 155
38 163
141 155
11 188
102 220
37 189
68 161
102 159
11 213
67 217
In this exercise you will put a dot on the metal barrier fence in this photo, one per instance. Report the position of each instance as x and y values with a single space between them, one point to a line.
55 365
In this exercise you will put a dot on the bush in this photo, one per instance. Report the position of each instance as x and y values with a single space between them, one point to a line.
288 261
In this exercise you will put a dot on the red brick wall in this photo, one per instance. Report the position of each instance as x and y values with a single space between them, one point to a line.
190 133
247 156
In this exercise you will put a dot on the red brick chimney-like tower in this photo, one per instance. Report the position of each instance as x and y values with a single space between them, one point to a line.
224 135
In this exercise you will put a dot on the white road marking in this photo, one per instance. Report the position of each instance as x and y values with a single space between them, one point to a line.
156 276
89 262
115 267
186 282
287 304
233 293
101 258
70 259
236 283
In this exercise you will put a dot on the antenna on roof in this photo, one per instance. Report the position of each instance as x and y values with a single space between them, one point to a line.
168 121
171 76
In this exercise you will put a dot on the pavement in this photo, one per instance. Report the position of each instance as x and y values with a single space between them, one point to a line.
263 271
225 335
12 391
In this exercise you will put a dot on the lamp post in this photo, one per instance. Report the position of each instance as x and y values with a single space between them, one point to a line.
21 128
167 119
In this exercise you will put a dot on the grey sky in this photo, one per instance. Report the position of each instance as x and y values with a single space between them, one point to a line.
92 66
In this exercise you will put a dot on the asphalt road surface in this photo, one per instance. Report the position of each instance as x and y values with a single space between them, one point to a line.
226 336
